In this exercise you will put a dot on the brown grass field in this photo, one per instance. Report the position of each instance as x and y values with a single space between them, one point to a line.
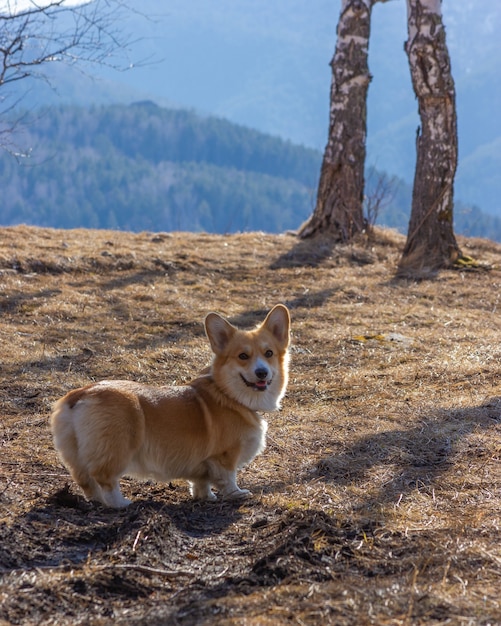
378 497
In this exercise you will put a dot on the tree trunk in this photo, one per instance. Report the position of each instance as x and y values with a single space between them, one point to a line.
431 243
339 207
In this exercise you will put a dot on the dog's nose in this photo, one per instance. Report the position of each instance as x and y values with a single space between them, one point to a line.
261 373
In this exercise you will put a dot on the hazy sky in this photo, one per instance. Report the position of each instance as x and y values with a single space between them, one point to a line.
13 6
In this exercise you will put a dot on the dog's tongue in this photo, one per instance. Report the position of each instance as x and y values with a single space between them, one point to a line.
261 384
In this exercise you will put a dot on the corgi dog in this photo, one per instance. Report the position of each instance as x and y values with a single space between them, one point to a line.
203 431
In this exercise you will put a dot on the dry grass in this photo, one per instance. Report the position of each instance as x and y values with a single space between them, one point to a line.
377 499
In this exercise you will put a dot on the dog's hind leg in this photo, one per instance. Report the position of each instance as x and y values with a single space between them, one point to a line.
66 442
200 489
97 489
104 481
112 496
87 484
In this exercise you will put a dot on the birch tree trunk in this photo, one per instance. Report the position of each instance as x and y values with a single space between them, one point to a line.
431 243
339 205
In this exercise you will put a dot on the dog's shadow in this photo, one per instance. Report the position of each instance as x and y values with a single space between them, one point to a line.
67 530
165 501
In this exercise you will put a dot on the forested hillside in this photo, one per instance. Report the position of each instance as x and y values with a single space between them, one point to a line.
265 65
143 167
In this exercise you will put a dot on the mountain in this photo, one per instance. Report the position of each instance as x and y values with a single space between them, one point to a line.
145 167
265 65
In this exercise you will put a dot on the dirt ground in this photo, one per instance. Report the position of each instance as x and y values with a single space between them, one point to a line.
377 498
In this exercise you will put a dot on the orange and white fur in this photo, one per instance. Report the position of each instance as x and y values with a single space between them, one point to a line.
202 432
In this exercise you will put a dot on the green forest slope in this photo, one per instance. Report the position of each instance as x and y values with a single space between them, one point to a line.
142 167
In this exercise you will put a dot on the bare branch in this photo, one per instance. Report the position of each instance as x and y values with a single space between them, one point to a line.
381 190
85 33
42 33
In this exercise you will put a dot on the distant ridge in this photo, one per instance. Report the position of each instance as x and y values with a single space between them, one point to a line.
145 167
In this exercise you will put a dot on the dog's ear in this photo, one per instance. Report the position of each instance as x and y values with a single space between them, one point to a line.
219 332
278 322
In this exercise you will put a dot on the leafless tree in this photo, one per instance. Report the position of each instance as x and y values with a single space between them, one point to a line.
380 194
36 33
339 206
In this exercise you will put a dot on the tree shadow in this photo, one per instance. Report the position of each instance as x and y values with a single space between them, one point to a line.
309 252
415 457
14 303
309 300
314 251
140 277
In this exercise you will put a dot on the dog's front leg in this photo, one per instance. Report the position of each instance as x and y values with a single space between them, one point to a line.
225 481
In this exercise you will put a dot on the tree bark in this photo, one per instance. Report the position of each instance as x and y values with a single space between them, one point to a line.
339 206
431 243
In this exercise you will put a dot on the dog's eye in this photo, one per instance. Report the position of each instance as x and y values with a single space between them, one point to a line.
243 357
268 354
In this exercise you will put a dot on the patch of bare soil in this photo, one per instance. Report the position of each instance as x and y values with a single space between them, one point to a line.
377 498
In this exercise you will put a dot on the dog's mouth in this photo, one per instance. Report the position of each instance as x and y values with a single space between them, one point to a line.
259 385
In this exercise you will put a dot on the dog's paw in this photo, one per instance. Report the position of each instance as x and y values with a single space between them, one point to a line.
123 504
202 492
237 494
